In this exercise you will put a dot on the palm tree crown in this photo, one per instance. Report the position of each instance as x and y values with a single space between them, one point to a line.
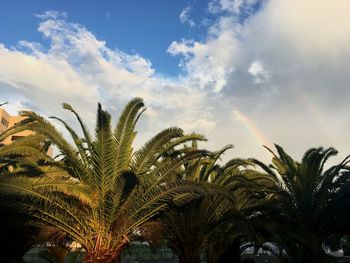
312 201
100 193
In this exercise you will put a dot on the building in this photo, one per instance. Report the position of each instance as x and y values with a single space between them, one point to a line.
6 122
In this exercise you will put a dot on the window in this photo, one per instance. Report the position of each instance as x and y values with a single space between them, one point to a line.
4 122
14 137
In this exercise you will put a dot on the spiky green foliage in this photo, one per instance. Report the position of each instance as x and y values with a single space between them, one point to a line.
106 191
212 223
250 194
313 202
17 235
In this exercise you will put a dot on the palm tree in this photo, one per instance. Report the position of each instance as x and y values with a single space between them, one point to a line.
101 193
312 202
251 192
216 222
17 159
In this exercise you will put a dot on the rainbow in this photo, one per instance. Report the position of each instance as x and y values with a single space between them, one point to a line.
315 114
252 128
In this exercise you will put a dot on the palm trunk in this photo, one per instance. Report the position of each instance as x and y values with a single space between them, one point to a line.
232 254
186 254
105 256
193 258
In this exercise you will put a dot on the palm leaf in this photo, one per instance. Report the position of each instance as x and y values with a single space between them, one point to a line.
124 134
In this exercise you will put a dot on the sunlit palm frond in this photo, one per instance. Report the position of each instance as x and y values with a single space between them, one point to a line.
38 124
98 192
124 134
144 158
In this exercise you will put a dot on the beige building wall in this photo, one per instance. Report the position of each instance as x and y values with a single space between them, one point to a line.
4 120
7 121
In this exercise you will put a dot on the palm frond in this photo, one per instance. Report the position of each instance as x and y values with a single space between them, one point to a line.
46 207
124 134
86 133
77 141
144 158
104 156
38 124
180 141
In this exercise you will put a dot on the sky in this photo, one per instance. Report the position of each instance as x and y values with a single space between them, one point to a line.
241 72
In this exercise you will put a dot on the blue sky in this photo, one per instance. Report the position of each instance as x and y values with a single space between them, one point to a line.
144 27
242 72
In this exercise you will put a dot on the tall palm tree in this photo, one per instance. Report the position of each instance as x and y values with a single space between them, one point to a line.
214 222
102 193
312 203
187 228
251 192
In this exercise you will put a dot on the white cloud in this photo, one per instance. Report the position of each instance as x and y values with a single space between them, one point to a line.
286 67
185 17
51 14
307 30
195 124
209 63
257 70
232 6
42 78
298 53
80 69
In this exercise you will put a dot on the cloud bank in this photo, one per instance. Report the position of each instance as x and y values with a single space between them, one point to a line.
267 71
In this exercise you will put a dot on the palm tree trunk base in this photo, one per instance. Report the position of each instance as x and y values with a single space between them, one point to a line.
232 254
193 259
102 257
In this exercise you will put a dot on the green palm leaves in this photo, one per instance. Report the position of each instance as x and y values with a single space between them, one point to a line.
99 191
312 201
211 223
